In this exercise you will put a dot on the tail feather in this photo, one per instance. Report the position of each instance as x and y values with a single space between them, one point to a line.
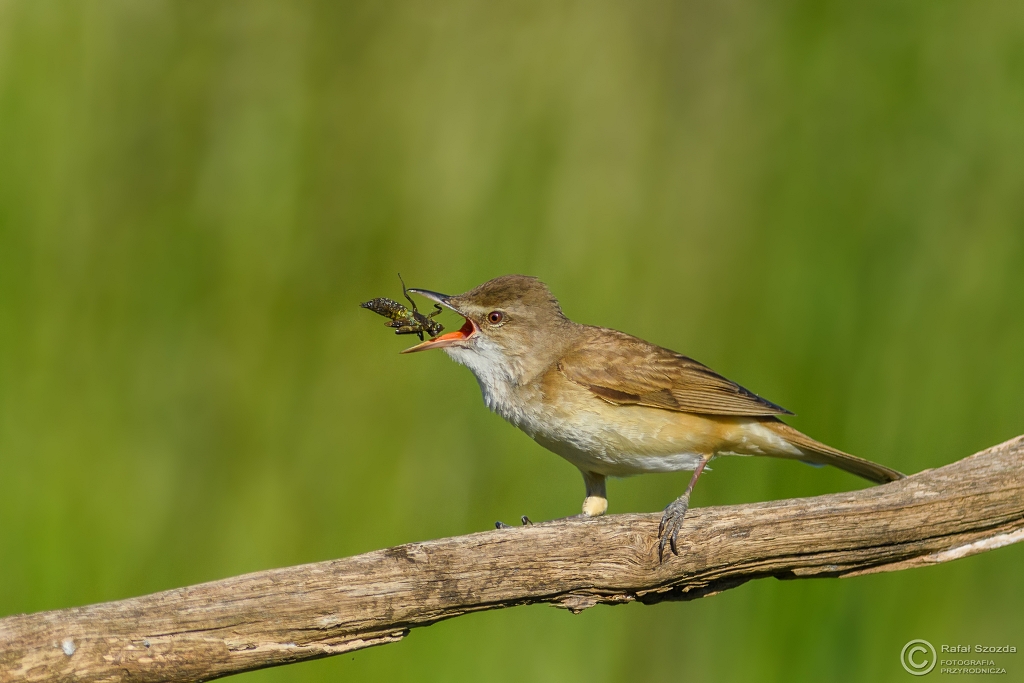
818 453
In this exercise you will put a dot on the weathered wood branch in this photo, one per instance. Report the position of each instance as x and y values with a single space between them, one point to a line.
317 610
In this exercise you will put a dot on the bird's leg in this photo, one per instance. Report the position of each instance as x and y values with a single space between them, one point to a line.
672 520
596 502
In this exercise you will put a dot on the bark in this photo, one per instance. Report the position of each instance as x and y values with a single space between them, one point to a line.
316 610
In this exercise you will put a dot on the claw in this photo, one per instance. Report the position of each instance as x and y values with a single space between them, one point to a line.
671 523
672 520
501 525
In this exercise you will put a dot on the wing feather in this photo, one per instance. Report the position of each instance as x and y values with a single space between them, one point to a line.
625 370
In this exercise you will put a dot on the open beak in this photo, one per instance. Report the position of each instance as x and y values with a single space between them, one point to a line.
463 333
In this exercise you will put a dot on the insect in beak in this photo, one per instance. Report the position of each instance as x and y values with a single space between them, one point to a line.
463 333
407 321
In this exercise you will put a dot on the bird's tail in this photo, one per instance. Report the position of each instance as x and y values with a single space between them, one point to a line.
818 453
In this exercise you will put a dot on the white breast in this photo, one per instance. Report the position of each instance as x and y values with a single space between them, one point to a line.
493 373
649 441
582 438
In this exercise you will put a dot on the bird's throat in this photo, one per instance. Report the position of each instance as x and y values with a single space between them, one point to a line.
495 373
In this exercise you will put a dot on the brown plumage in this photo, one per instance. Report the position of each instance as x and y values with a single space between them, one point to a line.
625 370
613 404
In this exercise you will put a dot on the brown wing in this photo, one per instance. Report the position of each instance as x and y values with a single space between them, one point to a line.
625 370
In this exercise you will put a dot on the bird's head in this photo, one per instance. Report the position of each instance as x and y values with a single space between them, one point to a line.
512 325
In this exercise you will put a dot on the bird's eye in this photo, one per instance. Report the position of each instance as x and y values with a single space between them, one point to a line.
495 317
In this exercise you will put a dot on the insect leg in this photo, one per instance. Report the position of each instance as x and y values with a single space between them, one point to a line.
411 329
406 293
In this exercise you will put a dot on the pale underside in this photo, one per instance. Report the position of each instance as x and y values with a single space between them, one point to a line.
622 440
609 439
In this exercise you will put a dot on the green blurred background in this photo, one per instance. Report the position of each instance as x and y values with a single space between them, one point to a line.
823 201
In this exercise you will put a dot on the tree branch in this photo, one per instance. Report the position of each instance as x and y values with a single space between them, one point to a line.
317 610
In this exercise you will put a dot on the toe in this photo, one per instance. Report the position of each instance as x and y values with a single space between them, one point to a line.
674 537
671 523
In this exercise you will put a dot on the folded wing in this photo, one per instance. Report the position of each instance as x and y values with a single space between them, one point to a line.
625 370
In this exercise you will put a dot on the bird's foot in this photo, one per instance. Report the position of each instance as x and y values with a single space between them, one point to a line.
671 522
528 522
501 525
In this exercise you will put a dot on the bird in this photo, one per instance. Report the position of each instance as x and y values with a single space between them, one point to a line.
613 404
